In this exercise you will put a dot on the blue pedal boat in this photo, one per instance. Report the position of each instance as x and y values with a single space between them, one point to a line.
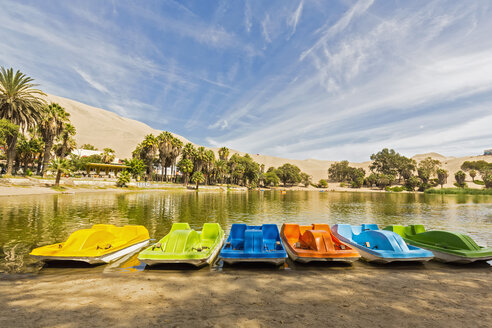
376 245
248 243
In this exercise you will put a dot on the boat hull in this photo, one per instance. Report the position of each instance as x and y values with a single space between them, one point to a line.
451 258
274 261
307 259
106 258
195 262
370 257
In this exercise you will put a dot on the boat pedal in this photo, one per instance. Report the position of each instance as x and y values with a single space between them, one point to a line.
297 245
367 244
158 245
342 247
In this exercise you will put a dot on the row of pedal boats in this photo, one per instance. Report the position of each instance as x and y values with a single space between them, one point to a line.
104 243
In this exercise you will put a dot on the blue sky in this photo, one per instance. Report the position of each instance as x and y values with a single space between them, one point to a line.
298 79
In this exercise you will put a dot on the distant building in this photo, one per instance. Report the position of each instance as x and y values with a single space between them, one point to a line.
487 152
88 153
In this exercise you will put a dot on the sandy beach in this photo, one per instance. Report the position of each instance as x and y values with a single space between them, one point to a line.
362 295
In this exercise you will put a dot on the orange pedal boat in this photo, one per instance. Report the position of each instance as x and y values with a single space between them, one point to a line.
315 243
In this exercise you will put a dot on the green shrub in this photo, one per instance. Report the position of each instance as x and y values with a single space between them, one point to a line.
322 183
479 182
343 184
123 179
455 191
395 189
464 185
460 179
487 180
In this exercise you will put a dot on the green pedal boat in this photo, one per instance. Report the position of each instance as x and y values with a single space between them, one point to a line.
447 246
184 245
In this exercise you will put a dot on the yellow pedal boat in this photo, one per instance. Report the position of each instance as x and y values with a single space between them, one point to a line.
103 243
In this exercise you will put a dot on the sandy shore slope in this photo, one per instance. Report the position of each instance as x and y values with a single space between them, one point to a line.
430 295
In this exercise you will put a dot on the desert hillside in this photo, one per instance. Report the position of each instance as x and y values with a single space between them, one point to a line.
103 128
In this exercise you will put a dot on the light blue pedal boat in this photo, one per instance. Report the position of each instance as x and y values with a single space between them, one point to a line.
380 246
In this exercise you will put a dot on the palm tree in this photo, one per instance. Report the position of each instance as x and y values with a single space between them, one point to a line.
209 164
224 153
60 165
220 169
175 152
200 158
67 142
165 148
189 151
186 167
197 178
108 155
53 120
27 151
147 151
20 103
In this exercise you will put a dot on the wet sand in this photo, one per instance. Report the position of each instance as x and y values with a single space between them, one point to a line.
362 295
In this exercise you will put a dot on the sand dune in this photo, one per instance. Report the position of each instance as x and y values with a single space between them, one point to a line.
103 128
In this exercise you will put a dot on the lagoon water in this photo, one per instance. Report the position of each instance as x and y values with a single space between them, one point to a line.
31 221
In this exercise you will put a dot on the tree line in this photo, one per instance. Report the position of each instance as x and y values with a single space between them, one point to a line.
199 165
389 167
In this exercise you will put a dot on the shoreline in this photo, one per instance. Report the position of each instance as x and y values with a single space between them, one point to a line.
33 186
362 295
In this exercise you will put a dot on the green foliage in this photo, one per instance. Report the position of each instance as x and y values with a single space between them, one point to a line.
271 178
243 169
384 180
460 178
473 174
338 171
424 175
357 182
322 183
481 166
479 182
389 162
343 184
429 166
289 174
385 162
88 147
442 176
454 191
78 163
395 189
137 166
487 180
371 180
185 165
123 179
224 153
305 179
7 129
108 155
197 178
60 165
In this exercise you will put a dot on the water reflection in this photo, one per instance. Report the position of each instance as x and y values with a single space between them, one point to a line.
31 221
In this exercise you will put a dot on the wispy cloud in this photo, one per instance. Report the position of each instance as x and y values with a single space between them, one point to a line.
296 16
265 28
93 83
291 78
360 7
